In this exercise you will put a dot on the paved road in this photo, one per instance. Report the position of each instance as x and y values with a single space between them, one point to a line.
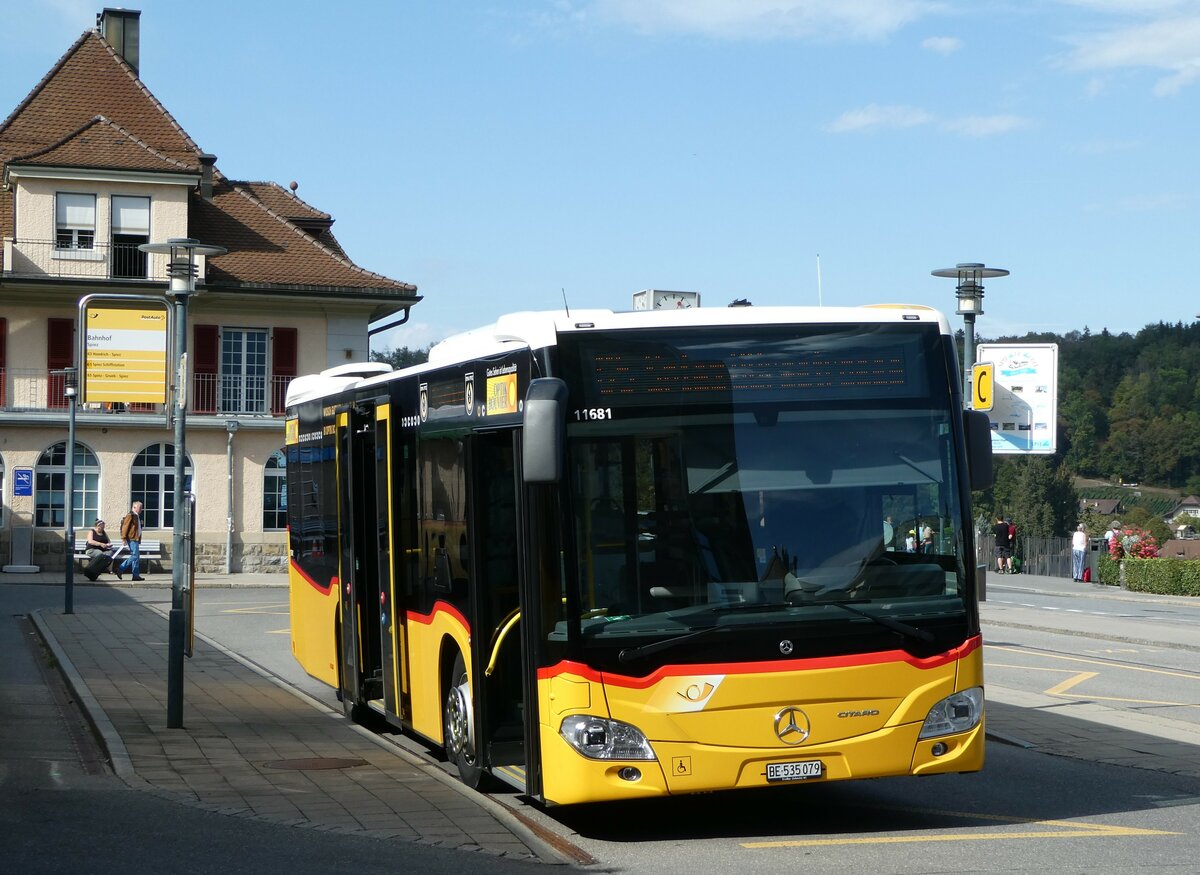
950 819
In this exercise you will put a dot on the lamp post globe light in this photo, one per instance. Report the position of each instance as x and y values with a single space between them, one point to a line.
969 292
181 255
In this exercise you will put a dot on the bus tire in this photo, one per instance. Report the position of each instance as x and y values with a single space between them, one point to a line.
458 725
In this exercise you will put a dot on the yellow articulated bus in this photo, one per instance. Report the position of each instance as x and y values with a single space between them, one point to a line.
603 556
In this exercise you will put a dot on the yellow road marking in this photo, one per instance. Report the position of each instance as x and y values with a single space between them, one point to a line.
278 631
1043 655
259 609
1059 689
1063 830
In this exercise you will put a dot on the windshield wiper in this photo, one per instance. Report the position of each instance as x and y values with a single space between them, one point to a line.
733 607
629 654
911 632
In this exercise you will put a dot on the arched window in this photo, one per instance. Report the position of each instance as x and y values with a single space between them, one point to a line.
50 487
153 484
275 492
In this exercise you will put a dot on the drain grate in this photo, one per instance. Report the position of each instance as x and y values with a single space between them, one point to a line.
308 764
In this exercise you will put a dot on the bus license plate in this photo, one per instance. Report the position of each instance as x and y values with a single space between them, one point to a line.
796 771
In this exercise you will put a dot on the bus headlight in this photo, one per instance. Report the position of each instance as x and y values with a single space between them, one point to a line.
956 713
602 739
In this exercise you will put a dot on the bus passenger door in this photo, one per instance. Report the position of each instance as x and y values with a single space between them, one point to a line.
496 548
363 530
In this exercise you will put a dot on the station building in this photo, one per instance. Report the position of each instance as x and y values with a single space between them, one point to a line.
91 167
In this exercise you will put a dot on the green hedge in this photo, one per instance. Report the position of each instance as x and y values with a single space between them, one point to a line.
1109 570
1160 576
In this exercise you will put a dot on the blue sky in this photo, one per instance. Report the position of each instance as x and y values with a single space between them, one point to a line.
501 154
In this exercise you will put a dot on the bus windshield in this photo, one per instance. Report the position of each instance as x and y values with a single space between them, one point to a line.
772 505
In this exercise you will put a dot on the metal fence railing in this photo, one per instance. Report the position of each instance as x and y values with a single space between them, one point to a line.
1048 556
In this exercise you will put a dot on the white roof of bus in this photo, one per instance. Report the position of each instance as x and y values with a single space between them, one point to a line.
540 329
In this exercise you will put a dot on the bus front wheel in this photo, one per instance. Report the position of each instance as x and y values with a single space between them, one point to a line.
458 725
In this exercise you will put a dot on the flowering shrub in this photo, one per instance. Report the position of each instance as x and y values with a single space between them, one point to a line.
1133 543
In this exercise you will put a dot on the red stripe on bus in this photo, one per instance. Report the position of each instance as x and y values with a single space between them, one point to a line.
324 590
440 607
778 665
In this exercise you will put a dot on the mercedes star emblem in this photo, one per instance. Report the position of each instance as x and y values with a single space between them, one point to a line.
791 726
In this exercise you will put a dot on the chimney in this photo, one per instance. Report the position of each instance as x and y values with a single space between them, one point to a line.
206 167
121 29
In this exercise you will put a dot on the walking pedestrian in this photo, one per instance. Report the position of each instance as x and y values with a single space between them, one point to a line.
131 537
1079 543
1002 552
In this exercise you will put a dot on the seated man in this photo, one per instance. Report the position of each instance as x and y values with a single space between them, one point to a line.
99 549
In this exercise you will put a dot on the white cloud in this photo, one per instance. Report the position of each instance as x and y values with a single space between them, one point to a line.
942 45
1171 44
767 19
1144 203
984 125
874 116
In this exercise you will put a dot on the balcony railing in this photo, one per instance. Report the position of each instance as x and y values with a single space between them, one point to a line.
235 393
28 390
98 261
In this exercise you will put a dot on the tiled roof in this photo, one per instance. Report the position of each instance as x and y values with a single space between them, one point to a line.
91 79
100 143
285 203
91 110
263 244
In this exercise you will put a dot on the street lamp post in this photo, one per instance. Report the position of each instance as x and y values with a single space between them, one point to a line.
71 385
181 268
970 304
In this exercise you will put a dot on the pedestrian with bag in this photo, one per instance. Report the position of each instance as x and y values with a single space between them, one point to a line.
99 548
1079 545
131 537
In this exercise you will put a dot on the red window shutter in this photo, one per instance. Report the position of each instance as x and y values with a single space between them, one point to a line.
206 361
60 353
284 346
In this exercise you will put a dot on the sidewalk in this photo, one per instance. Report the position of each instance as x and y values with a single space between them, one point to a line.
251 747
150 579
1086 730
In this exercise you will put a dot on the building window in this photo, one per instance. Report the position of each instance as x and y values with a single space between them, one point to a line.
74 221
1 491
50 487
243 370
275 492
230 368
130 229
153 484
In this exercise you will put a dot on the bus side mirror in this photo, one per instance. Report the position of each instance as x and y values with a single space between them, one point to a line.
545 430
978 430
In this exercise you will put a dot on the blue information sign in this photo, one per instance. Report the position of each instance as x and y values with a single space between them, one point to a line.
22 481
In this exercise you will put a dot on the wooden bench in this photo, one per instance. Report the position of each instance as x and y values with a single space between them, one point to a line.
151 550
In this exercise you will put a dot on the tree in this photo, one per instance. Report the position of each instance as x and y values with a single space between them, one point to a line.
1044 500
401 358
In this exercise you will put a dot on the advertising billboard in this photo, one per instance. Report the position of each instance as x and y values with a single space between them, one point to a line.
1024 411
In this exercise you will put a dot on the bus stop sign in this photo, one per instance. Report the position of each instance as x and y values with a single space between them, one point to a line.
983 386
